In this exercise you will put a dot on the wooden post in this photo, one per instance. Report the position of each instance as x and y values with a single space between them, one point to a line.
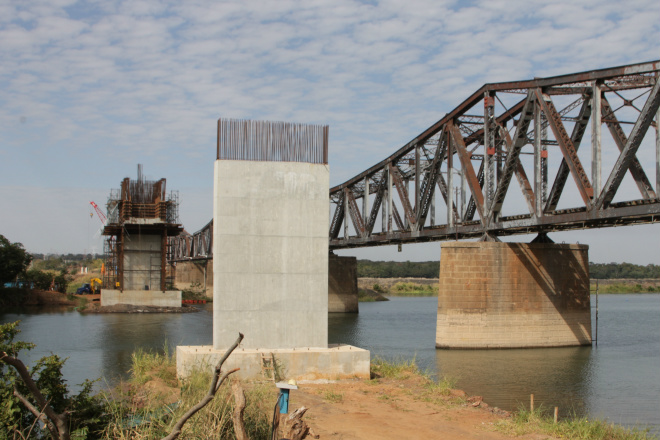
556 413
531 403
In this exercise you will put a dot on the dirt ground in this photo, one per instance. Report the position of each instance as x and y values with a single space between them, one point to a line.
396 409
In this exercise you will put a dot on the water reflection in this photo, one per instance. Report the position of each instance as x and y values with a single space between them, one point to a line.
619 379
556 376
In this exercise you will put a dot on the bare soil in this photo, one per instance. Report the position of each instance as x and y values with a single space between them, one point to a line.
396 409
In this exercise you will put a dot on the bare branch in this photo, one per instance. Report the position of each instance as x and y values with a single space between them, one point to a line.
38 414
216 382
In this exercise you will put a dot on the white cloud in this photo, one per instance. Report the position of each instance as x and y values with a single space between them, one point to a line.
106 85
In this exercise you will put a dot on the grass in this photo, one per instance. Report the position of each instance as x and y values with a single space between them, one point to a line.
364 296
578 428
139 411
145 365
413 289
624 288
396 369
195 291
333 397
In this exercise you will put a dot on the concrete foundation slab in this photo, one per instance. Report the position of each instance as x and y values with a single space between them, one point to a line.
156 298
333 363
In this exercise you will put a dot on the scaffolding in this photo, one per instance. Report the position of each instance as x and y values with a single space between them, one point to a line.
141 217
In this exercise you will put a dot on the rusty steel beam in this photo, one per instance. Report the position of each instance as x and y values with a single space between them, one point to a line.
632 69
512 157
620 139
630 149
468 169
576 138
403 194
482 130
353 210
567 148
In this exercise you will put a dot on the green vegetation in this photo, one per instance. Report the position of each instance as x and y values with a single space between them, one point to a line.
623 270
147 412
86 414
145 407
367 295
414 289
393 369
624 288
397 269
431 269
195 291
14 260
333 397
579 428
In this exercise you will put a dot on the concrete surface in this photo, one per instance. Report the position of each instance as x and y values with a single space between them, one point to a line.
270 254
333 363
142 262
342 285
513 295
156 298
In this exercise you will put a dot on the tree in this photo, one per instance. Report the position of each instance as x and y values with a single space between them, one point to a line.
14 259
39 397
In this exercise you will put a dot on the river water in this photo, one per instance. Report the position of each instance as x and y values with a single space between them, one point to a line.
617 379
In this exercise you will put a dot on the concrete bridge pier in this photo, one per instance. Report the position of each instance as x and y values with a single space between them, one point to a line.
513 295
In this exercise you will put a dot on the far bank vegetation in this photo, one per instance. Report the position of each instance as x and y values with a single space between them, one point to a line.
396 278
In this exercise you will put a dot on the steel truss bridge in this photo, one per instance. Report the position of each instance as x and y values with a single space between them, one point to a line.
458 178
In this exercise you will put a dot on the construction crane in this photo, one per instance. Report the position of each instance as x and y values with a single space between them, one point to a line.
99 212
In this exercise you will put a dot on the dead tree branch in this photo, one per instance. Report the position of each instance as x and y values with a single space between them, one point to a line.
216 382
294 427
239 410
58 426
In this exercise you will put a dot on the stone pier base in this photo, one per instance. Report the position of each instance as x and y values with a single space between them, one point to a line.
342 285
332 363
513 295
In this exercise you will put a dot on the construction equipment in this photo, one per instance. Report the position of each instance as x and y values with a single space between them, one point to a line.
94 286
99 212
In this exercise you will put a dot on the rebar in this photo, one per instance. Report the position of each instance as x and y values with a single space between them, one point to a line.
272 141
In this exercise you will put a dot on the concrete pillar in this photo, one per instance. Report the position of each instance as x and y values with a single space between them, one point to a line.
513 295
270 254
342 285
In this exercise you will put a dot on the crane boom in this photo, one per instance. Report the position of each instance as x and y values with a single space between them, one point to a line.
98 212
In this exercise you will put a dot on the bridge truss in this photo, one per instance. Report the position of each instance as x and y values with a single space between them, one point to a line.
464 168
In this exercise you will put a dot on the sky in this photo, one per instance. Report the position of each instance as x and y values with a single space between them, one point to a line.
90 89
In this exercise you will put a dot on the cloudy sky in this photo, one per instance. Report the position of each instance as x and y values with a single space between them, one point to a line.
90 89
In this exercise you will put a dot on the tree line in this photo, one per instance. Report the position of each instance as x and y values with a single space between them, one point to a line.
431 269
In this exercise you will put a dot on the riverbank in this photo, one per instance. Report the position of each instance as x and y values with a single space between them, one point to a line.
398 402
429 286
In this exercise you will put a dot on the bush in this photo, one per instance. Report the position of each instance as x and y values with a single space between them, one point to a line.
86 413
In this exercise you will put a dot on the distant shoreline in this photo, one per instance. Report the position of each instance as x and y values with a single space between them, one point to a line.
428 286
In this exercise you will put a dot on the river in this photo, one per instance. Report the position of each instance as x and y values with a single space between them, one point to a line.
617 379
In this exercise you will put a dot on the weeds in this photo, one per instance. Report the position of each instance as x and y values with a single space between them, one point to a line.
142 412
333 397
398 369
414 289
579 428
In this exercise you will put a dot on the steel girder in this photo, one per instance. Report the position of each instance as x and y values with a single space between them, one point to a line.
191 247
475 151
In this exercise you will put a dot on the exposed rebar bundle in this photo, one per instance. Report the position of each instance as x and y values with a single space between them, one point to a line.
272 141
